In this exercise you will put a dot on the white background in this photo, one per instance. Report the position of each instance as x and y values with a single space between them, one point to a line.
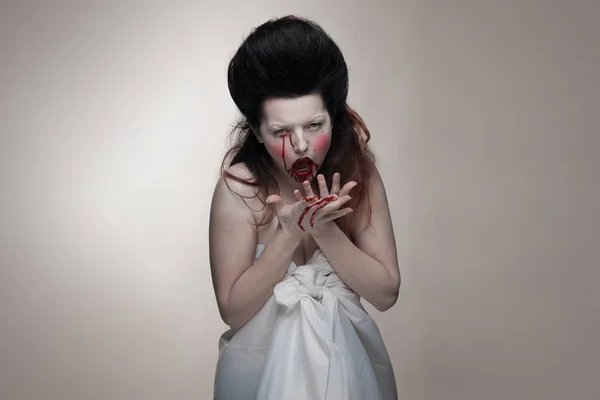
114 117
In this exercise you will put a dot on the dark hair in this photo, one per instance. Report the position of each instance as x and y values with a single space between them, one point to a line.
291 57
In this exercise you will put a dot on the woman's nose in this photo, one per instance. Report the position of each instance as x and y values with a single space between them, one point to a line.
299 142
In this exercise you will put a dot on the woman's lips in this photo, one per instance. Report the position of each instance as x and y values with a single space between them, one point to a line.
303 172
303 167
302 163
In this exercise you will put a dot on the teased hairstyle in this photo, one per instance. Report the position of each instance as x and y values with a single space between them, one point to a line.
291 57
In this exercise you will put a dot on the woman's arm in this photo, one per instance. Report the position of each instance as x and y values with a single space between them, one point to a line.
370 265
242 285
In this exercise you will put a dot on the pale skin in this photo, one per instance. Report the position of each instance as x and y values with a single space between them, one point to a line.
368 264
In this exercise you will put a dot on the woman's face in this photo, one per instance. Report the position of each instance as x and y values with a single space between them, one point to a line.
297 134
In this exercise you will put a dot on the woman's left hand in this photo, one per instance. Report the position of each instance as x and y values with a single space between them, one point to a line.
324 191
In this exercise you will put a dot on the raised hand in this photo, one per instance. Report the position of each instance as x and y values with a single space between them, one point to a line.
309 212
325 193
335 186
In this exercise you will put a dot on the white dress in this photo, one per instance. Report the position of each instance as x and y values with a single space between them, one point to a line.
312 340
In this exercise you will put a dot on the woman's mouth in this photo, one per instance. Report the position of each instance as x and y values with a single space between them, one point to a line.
303 167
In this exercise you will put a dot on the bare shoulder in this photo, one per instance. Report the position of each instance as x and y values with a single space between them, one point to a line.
228 197
241 172
230 189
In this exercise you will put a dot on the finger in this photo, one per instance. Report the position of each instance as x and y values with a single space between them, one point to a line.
298 195
333 205
323 191
305 205
308 192
333 216
347 188
335 184
315 205
274 200
305 209
314 214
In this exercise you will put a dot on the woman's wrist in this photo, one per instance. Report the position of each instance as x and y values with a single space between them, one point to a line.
288 237
324 229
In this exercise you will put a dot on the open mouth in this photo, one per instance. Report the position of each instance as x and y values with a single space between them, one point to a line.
302 164
302 167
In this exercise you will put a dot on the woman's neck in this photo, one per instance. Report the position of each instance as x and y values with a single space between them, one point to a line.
287 184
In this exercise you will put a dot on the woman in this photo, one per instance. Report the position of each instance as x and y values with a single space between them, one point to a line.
292 251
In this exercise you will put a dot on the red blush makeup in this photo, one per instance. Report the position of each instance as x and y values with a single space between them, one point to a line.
322 142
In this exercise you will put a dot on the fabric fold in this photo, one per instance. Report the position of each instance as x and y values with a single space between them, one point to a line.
313 348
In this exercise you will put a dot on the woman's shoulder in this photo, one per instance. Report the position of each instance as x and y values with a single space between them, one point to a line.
239 172
233 197
238 181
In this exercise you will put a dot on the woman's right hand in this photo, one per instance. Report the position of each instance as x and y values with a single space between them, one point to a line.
307 213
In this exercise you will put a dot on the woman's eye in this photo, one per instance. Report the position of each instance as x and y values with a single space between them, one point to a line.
279 132
315 125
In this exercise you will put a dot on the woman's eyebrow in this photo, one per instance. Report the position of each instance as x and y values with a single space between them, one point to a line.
316 116
311 119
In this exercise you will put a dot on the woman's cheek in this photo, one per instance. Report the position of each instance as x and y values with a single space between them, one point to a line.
275 150
322 142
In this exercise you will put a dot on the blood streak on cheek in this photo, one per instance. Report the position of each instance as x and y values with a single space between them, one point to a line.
288 135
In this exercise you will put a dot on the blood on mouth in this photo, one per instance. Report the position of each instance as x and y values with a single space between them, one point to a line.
302 169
